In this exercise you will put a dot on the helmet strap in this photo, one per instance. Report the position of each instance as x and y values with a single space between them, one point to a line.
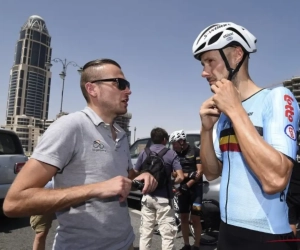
182 146
232 72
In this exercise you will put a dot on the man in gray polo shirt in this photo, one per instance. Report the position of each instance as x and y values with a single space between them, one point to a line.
88 155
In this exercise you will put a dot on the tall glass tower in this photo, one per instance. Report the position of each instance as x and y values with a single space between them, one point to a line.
30 81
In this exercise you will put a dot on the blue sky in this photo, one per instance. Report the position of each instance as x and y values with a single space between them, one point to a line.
152 40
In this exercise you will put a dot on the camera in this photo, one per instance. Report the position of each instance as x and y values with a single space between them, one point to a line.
138 184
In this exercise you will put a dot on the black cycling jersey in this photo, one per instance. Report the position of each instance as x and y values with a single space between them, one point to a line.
189 158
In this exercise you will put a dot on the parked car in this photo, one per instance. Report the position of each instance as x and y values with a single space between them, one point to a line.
210 188
12 159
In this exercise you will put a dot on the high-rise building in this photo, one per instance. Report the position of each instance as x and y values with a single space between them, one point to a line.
29 84
123 121
30 81
294 85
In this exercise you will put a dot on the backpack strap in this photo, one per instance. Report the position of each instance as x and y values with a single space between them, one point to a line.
162 152
147 151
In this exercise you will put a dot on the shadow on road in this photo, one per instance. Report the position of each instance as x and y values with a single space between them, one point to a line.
9 224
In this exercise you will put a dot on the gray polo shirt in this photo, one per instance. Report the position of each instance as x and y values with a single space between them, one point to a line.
80 145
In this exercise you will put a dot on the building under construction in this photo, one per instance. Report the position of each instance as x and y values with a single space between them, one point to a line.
294 86
123 121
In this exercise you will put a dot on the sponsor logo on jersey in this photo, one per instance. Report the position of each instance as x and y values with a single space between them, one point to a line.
290 132
289 110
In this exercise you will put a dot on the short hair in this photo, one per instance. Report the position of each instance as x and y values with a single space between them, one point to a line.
88 73
158 135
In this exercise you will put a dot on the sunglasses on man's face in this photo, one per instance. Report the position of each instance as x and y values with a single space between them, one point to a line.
122 84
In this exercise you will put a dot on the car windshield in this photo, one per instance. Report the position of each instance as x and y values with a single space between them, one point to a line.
9 144
138 147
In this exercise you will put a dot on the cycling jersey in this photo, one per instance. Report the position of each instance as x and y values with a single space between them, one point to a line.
189 158
243 203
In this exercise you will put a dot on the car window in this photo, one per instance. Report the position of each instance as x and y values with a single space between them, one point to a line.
10 144
193 139
138 147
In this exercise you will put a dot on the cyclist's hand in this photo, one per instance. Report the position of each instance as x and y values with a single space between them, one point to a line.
183 189
209 114
227 98
198 175
117 186
193 175
149 182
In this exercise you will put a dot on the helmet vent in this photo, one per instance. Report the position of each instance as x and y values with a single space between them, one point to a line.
201 47
215 38
237 32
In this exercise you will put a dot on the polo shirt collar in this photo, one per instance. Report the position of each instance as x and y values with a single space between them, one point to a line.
96 119
93 116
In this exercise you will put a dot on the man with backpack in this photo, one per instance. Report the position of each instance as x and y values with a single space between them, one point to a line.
156 206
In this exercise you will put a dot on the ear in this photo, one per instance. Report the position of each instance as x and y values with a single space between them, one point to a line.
91 89
239 53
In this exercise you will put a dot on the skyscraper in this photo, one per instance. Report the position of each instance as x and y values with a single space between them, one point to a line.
294 85
30 81
29 85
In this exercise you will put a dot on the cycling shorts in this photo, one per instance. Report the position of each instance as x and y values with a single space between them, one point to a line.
186 199
293 202
237 238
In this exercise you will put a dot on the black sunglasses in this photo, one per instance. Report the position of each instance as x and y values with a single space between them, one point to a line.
122 84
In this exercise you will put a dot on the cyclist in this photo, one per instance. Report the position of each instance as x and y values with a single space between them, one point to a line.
190 190
256 143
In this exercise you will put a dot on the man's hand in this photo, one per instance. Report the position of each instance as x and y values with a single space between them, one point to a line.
149 182
209 114
182 189
119 185
174 174
227 98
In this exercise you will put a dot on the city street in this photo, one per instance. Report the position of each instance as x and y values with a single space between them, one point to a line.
16 234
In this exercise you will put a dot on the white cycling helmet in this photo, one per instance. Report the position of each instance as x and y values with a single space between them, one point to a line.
221 35
177 135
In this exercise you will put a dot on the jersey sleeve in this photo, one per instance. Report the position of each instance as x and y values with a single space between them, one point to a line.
281 121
